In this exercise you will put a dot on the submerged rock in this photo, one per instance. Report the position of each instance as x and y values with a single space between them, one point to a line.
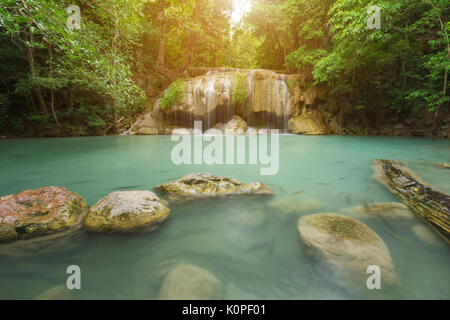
189 282
203 185
393 210
426 235
127 211
56 293
252 219
40 212
348 246
295 203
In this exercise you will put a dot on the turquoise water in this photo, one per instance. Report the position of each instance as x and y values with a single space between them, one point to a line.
255 256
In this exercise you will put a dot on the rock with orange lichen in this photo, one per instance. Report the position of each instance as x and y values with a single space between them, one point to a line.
40 212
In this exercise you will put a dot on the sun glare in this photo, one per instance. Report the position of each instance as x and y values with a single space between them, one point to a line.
241 7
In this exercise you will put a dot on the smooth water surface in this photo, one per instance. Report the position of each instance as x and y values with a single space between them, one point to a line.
251 245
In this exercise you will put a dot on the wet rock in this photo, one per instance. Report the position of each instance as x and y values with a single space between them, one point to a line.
40 212
182 132
236 126
394 210
295 203
250 219
147 131
309 124
147 126
56 293
444 165
127 211
189 282
348 246
203 185
426 235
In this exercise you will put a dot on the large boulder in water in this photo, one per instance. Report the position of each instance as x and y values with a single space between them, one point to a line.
57 293
295 203
394 210
127 211
189 282
236 126
204 185
348 246
40 212
309 123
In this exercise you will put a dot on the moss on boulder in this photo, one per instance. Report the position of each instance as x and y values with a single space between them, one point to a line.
127 211
189 282
204 185
348 246
394 210
40 212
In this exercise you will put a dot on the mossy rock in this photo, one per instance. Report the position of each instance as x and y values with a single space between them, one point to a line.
348 247
394 210
189 282
205 185
127 211
40 212
292 203
57 293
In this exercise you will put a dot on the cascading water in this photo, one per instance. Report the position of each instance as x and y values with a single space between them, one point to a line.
285 100
209 98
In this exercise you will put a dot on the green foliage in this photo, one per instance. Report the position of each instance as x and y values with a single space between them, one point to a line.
240 94
174 94
292 83
402 66
73 70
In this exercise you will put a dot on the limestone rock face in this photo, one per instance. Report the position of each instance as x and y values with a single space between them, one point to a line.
272 99
205 185
189 282
348 246
147 126
308 123
127 211
395 210
40 212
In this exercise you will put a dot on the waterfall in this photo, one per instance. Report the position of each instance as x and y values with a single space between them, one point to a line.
228 90
285 101
250 88
210 99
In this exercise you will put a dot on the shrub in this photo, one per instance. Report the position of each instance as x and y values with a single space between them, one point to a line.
174 94
240 94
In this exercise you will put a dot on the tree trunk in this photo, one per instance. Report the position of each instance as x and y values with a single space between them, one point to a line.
161 46
192 38
115 44
36 90
444 30
52 98
429 204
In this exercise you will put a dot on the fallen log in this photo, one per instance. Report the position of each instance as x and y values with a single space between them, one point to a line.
428 203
